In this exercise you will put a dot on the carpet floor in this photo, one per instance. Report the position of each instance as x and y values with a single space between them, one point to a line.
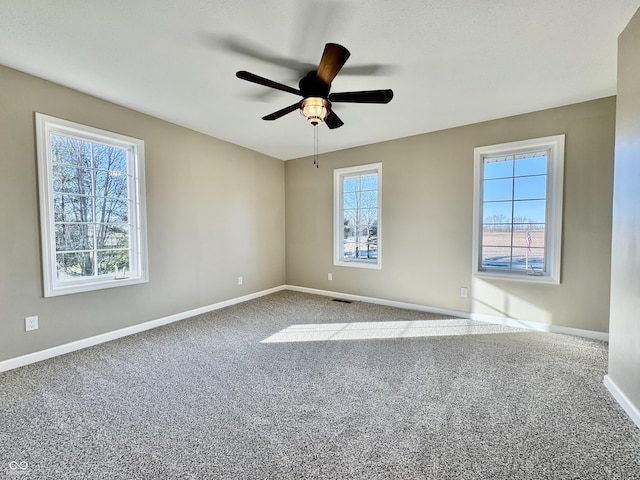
260 390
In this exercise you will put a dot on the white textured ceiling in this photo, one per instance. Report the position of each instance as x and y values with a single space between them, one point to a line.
449 62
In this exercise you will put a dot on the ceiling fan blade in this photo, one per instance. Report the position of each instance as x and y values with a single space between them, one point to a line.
283 112
251 77
333 121
367 96
333 58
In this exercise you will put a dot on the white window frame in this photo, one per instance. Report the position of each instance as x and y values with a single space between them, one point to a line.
554 145
338 216
45 126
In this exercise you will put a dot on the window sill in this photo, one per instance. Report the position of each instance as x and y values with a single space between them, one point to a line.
66 289
358 264
518 277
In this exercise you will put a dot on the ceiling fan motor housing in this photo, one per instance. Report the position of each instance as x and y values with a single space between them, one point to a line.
311 86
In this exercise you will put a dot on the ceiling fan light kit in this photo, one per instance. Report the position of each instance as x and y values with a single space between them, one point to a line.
314 88
315 109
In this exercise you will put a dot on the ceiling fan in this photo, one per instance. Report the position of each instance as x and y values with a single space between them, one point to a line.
314 88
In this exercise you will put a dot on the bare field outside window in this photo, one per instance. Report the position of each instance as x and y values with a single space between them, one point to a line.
501 250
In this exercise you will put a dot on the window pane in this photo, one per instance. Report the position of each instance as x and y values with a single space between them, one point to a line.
524 259
111 184
112 210
70 151
112 236
530 187
497 169
113 260
501 189
73 237
536 233
369 199
497 227
351 184
519 259
71 180
532 211
368 215
350 217
367 253
72 208
363 231
369 182
531 166
349 249
71 265
350 200
536 259
497 212
373 231
109 158
496 257
492 238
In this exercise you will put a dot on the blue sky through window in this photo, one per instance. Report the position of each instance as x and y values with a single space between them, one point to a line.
515 188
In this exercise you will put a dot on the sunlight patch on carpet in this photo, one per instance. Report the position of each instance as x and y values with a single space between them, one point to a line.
322 332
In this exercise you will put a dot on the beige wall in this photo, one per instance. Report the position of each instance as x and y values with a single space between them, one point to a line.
427 187
215 211
624 342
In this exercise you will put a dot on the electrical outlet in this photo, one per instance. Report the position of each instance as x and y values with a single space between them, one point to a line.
329 276
463 292
239 280
31 323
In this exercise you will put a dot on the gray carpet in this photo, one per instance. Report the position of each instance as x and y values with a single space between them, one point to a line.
204 399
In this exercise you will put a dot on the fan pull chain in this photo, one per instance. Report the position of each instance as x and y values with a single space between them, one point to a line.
315 146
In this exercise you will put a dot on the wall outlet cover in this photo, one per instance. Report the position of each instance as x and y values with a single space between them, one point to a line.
31 323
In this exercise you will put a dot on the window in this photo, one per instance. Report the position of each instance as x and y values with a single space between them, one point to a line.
91 207
518 209
357 208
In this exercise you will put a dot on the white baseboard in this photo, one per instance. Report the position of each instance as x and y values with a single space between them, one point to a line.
379 301
512 322
123 332
541 327
622 400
